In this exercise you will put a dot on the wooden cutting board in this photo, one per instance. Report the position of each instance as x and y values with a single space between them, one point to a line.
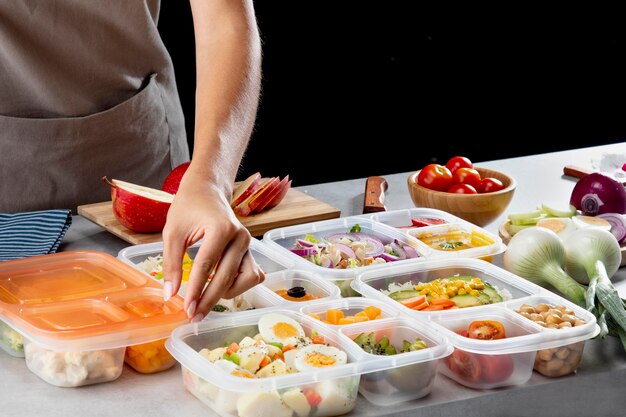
296 208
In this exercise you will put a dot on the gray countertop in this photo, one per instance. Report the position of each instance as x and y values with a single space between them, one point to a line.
596 389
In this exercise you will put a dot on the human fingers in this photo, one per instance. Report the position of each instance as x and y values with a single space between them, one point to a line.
250 275
173 252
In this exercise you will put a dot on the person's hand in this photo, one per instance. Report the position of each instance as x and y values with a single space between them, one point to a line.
201 210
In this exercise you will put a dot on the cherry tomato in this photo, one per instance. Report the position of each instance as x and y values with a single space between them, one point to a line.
465 364
457 162
495 368
462 189
486 330
462 332
436 177
467 176
489 185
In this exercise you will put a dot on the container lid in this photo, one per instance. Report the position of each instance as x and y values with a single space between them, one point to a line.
85 300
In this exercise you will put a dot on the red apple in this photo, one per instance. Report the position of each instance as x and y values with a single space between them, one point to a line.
172 181
246 188
275 197
247 206
140 209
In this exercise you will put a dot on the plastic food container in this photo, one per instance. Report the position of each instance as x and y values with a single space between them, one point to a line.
255 298
11 340
79 310
348 307
333 389
282 239
570 327
406 375
486 364
502 285
307 286
401 219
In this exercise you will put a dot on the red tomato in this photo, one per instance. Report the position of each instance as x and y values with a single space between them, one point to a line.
436 177
457 162
462 189
486 330
462 332
467 176
465 364
495 368
489 185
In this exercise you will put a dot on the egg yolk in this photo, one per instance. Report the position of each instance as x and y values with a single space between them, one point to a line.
554 225
319 360
284 330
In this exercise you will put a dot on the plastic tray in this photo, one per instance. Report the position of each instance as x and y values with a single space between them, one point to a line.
282 239
370 283
335 387
311 282
79 310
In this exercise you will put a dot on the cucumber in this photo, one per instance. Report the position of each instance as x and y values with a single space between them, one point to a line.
466 300
403 294
553 212
492 293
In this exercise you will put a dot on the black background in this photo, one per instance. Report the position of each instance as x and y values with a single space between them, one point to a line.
353 89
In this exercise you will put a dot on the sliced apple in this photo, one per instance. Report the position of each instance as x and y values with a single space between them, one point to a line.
275 196
140 209
246 188
247 206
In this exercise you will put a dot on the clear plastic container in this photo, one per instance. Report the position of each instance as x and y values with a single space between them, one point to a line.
315 288
11 341
146 257
348 307
320 392
570 326
401 219
487 364
79 310
403 376
282 239
503 285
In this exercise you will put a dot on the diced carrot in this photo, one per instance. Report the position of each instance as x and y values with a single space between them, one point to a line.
446 303
361 314
265 361
318 340
435 307
359 319
413 301
287 348
232 348
420 306
346 320
372 312
377 317
333 315
315 316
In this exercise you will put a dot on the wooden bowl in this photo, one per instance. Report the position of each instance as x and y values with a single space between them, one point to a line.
479 209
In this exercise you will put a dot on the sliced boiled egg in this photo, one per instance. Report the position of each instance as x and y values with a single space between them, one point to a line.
276 327
232 368
562 226
590 221
317 356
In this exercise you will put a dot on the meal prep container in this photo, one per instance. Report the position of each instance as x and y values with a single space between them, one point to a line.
370 283
401 219
281 239
486 364
257 297
79 310
349 306
312 284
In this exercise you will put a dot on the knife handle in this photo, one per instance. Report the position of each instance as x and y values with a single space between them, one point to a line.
574 171
374 200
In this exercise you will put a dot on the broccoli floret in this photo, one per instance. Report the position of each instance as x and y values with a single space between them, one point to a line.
12 339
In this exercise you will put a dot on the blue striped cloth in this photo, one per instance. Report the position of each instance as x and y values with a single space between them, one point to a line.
32 233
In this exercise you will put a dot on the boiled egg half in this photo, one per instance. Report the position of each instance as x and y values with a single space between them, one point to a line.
315 357
562 226
582 221
276 327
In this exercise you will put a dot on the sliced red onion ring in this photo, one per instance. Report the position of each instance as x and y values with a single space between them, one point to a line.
388 257
304 251
326 262
398 249
374 246
336 237
307 244
410 251
345 250
618 225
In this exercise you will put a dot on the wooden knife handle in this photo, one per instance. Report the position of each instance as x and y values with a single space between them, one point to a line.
374 200
574 171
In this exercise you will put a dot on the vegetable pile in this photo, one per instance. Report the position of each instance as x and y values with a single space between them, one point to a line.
459 176
368 342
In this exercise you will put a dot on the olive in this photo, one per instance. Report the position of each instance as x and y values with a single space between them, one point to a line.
296 292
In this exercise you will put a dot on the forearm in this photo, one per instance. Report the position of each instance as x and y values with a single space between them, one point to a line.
228 67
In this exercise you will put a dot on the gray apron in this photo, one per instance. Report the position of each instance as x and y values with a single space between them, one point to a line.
87 89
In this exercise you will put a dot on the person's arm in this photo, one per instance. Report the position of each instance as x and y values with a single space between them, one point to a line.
228 65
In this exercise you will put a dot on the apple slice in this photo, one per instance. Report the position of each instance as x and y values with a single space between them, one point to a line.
279 191
247 206
140 209
246 188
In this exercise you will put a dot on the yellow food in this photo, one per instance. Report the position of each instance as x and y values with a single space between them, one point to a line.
149 358
337 317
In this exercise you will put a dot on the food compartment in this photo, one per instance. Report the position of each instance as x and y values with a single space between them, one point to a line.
415 218
11 341
348 310
224 365
458 240
569 327
404 356
298 286
339 249
149 358
493 347
443 285
73 368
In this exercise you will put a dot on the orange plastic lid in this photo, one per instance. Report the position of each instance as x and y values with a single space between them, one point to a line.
85 300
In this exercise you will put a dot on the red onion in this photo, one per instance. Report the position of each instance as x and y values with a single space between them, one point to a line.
410 251
397 249
336 237
388 257
597 193
346 251
326 262
618 225
374 246
304 251
305 243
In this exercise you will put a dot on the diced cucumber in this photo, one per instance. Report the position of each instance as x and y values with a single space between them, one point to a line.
492 293
554 212
466 300
403 294
523 216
